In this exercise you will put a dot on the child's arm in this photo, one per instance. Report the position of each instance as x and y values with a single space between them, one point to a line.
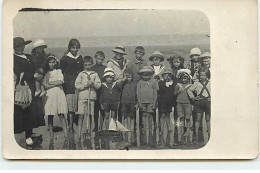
78 83
46 84
138 94
177 90
155 93
97 82
190 92
101 97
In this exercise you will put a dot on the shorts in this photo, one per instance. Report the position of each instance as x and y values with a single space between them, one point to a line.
147 107
184 110
83 107
201 106
128 109
71 102
111 106
165 107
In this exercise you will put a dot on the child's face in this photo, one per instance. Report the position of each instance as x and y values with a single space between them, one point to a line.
129 77
52 64
185 79
146 76
87 65
156 61
74 50
109 79
139 55
206 62
99 59
118 56
19 50
167 77
176 63
194 58
39 49
203 76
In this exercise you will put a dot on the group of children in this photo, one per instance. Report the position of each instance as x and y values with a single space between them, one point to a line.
97 93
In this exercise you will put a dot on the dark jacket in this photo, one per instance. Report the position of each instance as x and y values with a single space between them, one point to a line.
166 94
110 93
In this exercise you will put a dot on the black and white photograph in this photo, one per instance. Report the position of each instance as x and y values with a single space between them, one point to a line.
111 79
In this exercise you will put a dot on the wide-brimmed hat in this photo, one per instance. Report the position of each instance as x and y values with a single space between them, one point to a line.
39 43
186 71
18 41
205 54
109 72
195 51
156 54
119 49
146 69
167 71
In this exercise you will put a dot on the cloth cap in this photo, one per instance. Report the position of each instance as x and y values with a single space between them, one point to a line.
167 71
18 41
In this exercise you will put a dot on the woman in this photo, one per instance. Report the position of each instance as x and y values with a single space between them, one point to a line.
25 119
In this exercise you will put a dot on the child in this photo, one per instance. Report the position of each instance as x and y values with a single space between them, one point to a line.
110 96
137 62
165 104
56 101
177 62
157 58
99 68
183 102
118 63
194 63
71 64
87 83
205 59
199 92
39 58
146 92
128 104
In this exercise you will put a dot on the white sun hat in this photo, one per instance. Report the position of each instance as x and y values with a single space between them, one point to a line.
39 43
186 71
119 49
108 72
195 51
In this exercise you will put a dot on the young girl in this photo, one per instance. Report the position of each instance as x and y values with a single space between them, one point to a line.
71 64
177 62
56 101
146 93
183 102
87 83
157 58
199 92
110 96
165 103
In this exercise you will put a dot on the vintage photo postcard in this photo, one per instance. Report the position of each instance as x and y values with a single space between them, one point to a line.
130 80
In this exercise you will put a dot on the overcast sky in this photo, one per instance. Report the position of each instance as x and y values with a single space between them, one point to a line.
109 23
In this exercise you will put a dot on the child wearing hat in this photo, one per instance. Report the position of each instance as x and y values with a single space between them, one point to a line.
118 63
195 63
128 104
137 62
199 92
166 101
157 58
39 58
87 83
110 96
146 93
205 60
184 106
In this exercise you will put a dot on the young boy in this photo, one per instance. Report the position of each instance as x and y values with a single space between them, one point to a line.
199 92
118 63
39 58
128 104
87 83
205 59
146 92
157 58
194 63
99 68
110 96
165 103
137 62
184 106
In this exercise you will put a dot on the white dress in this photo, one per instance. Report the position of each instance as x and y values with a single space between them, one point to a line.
55 97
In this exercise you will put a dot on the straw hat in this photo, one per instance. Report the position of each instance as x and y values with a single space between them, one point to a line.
186 71
39 43
156 54
109 72
205 54
147 69
167 71
18 41
195 51
119 49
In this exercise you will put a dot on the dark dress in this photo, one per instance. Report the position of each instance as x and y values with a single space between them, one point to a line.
30 117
